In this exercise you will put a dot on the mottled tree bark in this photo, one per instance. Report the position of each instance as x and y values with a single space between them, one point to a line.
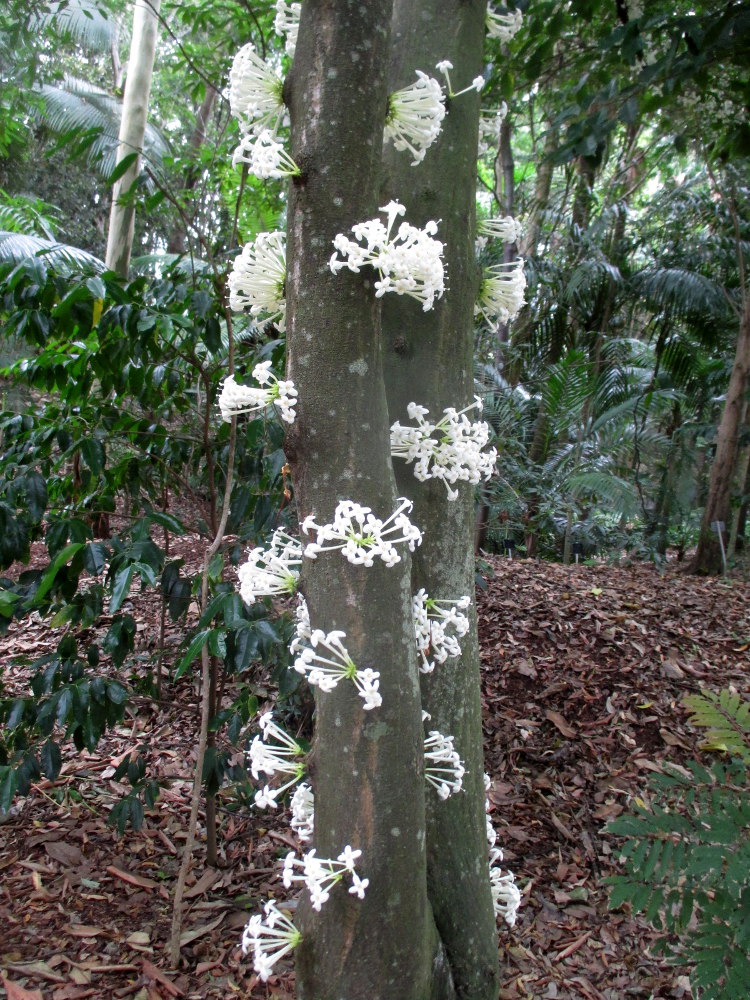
429 360
707 559
132 132
367 765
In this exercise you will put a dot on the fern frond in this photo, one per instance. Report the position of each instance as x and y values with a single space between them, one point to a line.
726 719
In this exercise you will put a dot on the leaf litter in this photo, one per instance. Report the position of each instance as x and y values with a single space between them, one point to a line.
583 672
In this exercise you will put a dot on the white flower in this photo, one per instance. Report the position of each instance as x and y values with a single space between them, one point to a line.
302 629
443 768
476 84
302 805
506 896
360 536
235 399
255 92
258 278
490 123
321 874
501 294
271 571
503 26
506 228
282 756
415 116
286 24
449 449
265 156
325 673
408 264
432 620
269 940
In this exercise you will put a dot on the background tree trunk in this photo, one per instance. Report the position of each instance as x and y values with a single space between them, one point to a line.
368 766
428 360
132 132
707 559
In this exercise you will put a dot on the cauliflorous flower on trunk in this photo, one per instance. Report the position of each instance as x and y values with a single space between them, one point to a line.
415 116
438 624
360 536
286 24
449 449
506 228
302 630
503 26
265 156
476 84
275 752
319 875
325 672
408 264
490 123
501 294
506 896
269 939
272 571
442 765
255 92
235 399
302 805
257 279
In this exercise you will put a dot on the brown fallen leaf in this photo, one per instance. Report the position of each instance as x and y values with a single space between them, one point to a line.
206 880
16 992
559 722
66 854
152 972
84 930
187 936
140 880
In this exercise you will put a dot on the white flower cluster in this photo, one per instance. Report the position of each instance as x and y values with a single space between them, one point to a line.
360 536
302 630
319 875
302 806
506 896
275 752
506 228
501 294
255 97
272 571
235 399
449 449
432 620
265 156
325 672
503 26
476 84
490 123
408 264
256 101
286 24
443 768
269 939
415 116
258 278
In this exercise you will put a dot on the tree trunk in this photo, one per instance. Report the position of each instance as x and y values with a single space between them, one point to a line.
367 766
429 360
178 241
132 132
707 559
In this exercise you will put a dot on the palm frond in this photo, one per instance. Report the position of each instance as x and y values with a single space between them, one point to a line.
620 495
80 113
683 293
22 213
17 247
88 22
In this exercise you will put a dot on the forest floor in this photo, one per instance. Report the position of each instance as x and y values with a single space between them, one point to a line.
584 671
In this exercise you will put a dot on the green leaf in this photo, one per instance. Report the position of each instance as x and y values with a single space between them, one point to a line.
122 167
121 588
92 452
60 560
196 645
168 521
51 759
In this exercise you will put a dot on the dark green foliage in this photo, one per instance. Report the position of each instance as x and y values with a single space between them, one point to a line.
122 380
687 855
